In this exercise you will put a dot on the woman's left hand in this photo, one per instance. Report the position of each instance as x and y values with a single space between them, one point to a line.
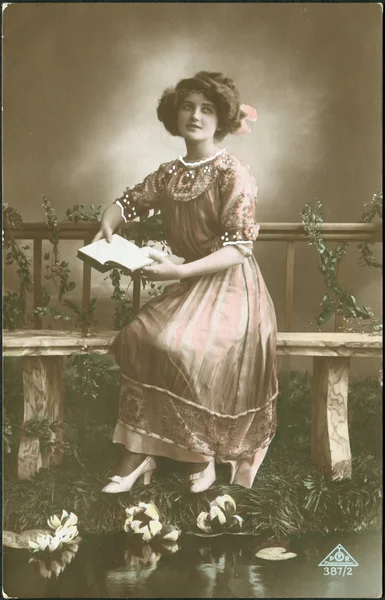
164 270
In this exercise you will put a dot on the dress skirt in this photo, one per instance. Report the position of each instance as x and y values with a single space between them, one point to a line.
198 370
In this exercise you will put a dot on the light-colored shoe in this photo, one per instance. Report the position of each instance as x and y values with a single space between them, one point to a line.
204 479
120 484
244 470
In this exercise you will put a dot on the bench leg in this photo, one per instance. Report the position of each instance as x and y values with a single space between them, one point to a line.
330 446
43 379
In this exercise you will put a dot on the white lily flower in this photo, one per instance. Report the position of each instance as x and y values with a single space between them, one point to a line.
203 523
54 522
130 519
216 512
34 546
61 532
155 527
132 510
64 514
150 530
235 522
150 510
173 536
54 543
43 541
136 526
72 531
67 534
170 533
222 500
72 520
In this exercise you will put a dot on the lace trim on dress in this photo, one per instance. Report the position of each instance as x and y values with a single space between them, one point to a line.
238 243
203 161
160 414
265 443
137 386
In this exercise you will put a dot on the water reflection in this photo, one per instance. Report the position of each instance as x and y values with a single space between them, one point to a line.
54 565
225 567
209 571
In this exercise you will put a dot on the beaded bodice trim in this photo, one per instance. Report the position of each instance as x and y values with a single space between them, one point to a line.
186 182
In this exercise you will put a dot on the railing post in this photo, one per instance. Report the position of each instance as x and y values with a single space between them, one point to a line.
86 290
337 318
289 285
289 293
37 278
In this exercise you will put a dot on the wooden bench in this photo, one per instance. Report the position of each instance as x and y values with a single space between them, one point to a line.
43 361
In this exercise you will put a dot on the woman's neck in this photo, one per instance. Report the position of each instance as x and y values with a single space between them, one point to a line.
200 150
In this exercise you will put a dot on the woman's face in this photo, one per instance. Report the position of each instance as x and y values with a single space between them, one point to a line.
197 118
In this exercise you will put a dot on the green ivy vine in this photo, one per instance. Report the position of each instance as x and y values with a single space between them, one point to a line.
81 212
371 210
337 300
56 270
14 303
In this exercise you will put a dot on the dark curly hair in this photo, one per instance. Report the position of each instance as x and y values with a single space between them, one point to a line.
217 88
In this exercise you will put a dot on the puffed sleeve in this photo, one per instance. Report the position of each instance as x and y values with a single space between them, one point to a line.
238 196
138 200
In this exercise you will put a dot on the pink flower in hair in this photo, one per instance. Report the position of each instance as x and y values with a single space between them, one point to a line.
251 115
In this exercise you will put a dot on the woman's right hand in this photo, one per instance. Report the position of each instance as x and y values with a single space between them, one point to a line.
105 231
111 219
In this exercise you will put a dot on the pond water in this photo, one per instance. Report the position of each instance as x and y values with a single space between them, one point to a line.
221 567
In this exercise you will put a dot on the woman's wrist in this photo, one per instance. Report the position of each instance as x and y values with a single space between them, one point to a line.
112 217
182 272
220 260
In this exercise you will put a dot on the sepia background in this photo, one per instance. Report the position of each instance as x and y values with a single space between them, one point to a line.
80 89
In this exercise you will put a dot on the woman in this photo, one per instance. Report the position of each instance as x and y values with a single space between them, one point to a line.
198 363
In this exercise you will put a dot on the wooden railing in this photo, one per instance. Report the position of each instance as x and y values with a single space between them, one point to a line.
289 233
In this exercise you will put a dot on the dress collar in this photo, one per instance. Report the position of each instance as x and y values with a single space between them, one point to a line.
201 162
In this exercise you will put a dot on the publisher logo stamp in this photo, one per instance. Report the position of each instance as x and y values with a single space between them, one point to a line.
338 562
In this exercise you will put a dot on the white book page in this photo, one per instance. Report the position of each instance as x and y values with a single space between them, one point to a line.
119 250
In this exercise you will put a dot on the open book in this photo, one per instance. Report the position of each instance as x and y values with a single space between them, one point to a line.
118 254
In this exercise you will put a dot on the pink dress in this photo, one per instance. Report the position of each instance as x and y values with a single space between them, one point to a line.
198 363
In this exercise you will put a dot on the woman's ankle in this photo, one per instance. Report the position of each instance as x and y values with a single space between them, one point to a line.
129 462
196 467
